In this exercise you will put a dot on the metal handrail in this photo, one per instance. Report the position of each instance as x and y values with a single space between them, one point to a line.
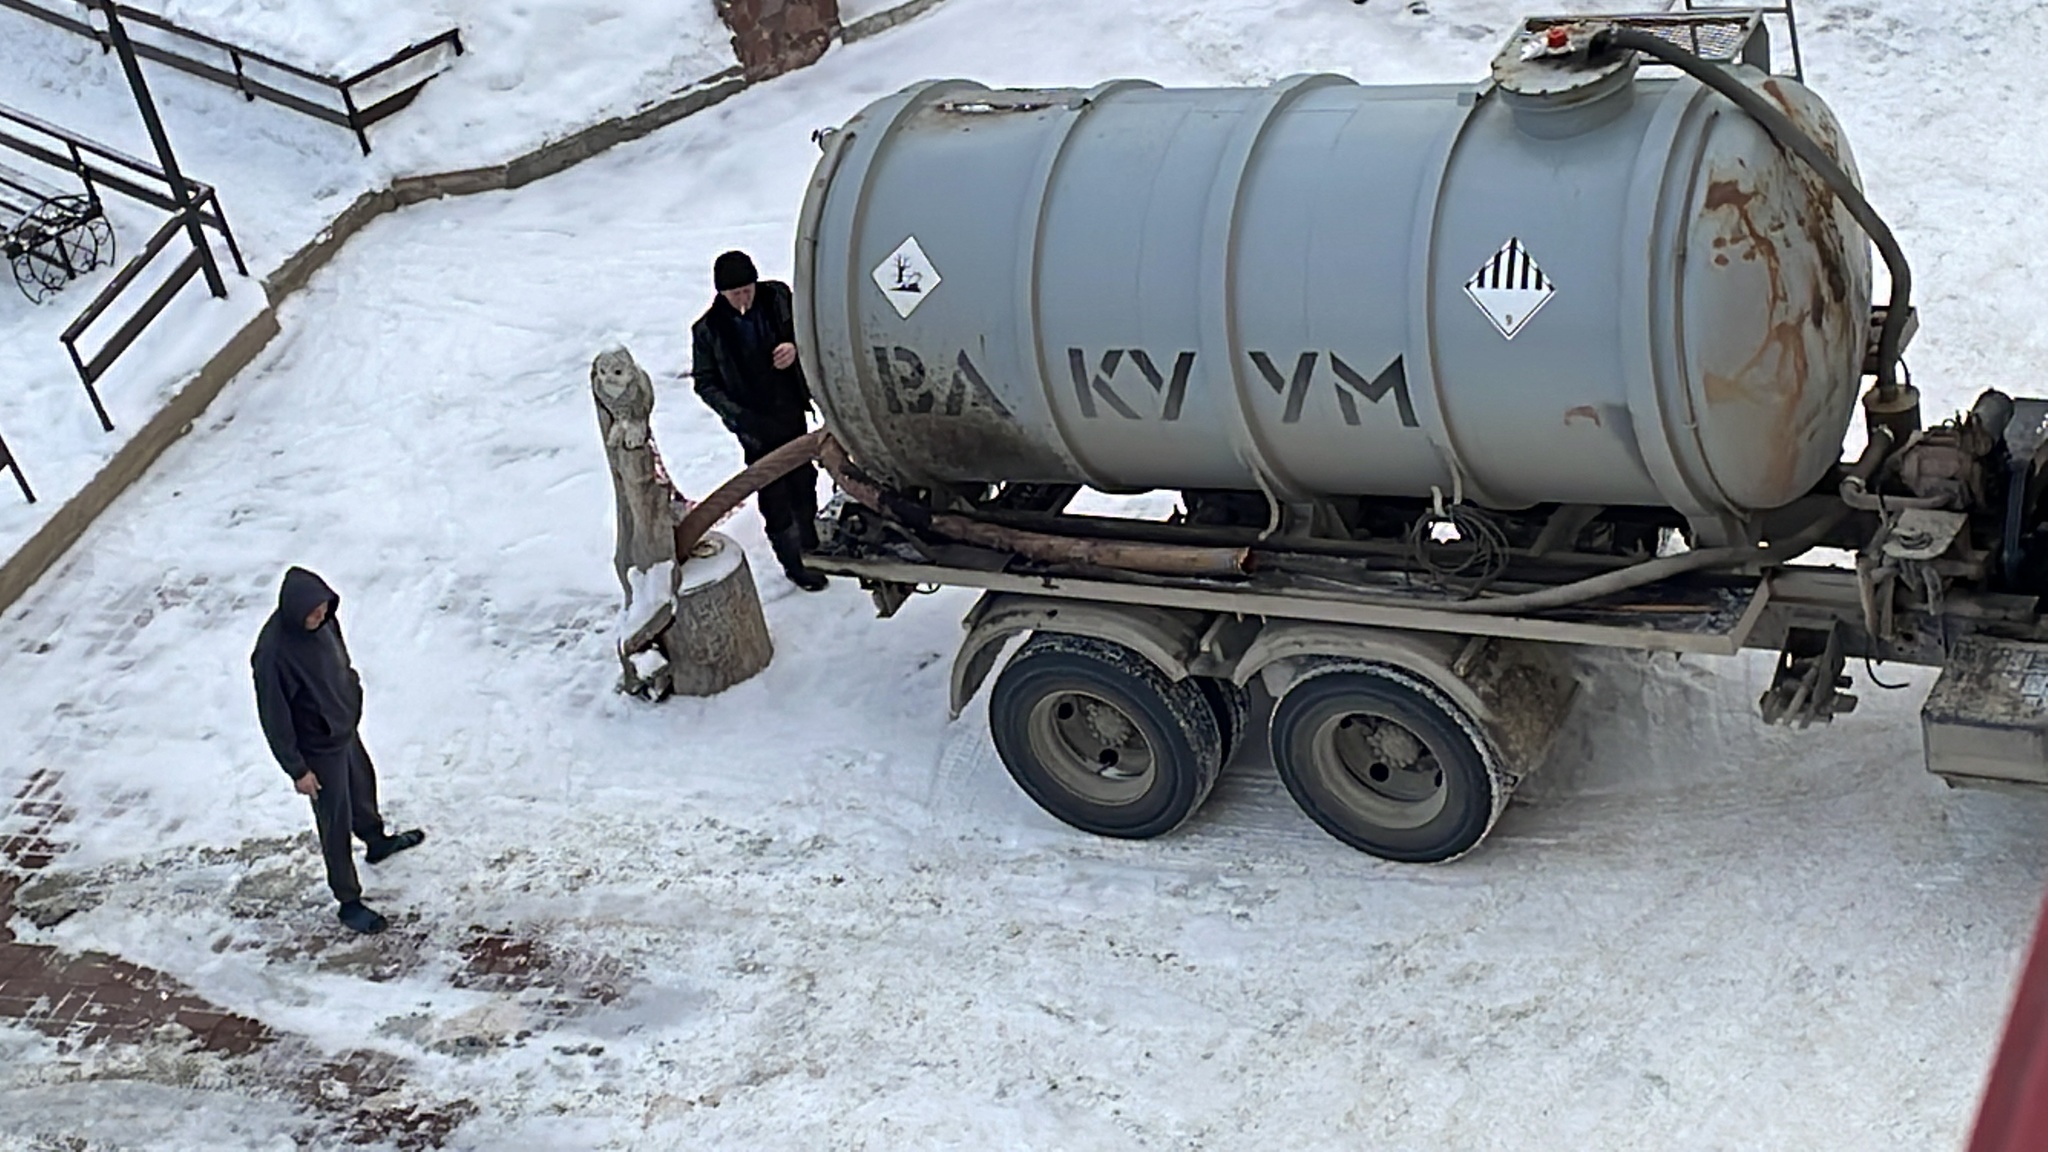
152 20
88 146
101 168
1780 9
451 38
90 370
8 461
75 153
350 115
126 276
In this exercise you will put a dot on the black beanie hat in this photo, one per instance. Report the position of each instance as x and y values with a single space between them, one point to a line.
733 270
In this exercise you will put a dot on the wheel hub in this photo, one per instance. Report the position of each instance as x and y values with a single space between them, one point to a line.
1382 761
1092 746
1106 724
1395 745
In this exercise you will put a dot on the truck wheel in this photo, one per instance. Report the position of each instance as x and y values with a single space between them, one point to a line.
1232 707
1385 763
1102 739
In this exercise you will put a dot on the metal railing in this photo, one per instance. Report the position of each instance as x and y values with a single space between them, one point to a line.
8 462
358 101
101 168
1781 10
91 368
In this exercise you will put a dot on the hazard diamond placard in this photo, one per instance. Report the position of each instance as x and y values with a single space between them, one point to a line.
1510 288
906 276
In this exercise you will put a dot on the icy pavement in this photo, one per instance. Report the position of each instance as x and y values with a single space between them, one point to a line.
811 913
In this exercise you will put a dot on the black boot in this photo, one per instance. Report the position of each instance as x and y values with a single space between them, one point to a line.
391 846
357 918
789 549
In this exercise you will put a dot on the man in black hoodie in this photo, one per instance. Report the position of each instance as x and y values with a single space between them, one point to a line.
310 700
743 360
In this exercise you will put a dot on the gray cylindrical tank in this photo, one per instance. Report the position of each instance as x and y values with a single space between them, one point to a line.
1618 292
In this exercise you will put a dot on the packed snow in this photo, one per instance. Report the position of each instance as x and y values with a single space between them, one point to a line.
531 73
648 592
828 917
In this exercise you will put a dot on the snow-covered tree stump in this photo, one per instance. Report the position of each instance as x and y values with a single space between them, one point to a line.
721 637
694 628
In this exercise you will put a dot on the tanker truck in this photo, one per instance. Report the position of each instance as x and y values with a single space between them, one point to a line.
1448 380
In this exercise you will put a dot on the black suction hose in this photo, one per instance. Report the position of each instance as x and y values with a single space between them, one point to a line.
1664 567
1797 141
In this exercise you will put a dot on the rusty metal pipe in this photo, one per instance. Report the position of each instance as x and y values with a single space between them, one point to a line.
1156 559
1045 548
1856 496
837 464
1181 560
1876 451
729 495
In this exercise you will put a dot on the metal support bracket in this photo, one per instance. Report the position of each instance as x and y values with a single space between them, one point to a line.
888 596
1807 687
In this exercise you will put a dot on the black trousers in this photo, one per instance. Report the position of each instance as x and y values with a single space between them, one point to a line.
790 501
346 805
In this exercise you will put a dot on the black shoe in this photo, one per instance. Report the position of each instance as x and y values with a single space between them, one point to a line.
789 550
391 846
357 918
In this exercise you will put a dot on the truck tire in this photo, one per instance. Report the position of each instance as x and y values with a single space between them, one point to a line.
1385 763
1232 707
1102 739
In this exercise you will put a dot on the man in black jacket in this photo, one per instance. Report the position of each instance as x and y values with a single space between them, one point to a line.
743 356
310 700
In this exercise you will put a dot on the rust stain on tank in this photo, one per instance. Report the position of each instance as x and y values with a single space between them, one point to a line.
1784 334
1821 202
1783 219
1583 412
1775 376
1754 214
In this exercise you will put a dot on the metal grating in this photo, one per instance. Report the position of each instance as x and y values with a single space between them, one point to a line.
1712 39
1785 13
1722 37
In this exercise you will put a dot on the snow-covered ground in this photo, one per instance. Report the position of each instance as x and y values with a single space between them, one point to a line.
532 73
830 919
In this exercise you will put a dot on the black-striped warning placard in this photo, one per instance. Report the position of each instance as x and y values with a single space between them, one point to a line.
1511 268
1510 289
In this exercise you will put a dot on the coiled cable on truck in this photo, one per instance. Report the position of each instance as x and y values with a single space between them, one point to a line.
1460 548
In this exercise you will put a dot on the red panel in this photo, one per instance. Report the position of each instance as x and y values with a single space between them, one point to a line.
2014 1117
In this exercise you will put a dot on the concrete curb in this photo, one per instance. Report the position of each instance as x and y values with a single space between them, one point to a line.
41 551
883 21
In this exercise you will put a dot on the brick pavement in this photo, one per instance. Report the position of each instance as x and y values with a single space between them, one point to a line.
90 999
